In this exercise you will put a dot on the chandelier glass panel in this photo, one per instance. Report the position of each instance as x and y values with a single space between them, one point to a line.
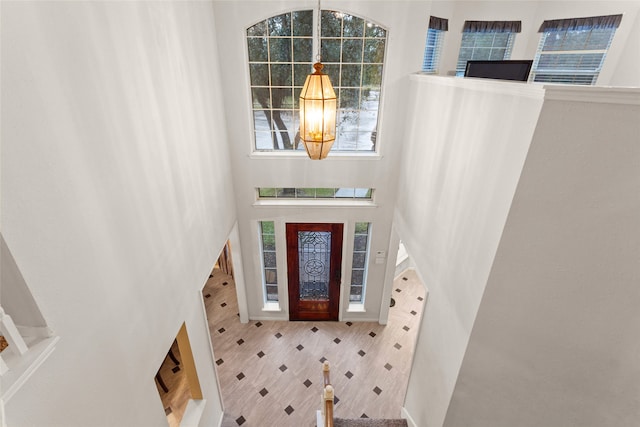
318 106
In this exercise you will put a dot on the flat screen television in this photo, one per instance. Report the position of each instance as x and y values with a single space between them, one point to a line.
502 70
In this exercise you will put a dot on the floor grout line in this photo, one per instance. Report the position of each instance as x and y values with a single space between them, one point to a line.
263 366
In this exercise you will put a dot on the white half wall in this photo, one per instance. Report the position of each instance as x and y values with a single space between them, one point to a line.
470 138
116 198
555 342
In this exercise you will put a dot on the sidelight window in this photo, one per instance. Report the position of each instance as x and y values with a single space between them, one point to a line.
359 263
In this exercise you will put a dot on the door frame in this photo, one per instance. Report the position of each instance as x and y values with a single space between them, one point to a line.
335 270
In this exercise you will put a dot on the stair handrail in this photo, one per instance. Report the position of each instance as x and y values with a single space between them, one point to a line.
327 395
326 380
328 406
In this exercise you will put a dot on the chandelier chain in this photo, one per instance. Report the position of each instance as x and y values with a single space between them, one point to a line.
318 56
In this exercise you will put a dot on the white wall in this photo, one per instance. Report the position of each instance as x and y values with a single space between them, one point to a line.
16 298
407 25
457 183
623 51
627 70
555 341
116 197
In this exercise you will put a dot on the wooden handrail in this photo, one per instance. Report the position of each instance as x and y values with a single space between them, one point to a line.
325 374
327 395
328 406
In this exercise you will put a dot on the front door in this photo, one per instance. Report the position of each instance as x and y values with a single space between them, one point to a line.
314 260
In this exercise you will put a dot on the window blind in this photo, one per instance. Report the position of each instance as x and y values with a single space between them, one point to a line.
572 51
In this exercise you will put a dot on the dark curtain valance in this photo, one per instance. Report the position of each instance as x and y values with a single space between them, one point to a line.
436 23
609 21
492 27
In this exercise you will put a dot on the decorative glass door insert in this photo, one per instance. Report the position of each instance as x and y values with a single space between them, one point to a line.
314 252
314 260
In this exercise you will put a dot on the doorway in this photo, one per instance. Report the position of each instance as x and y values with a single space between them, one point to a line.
314 262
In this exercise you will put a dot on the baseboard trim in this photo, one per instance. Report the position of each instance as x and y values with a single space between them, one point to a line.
405 414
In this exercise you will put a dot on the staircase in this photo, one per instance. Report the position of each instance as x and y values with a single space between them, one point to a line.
325 416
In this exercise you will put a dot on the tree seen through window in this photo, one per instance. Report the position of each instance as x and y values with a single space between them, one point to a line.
281 54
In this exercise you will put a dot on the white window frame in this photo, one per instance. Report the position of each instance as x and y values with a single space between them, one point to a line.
359 305
365 138
343 193
568 76
432 50
268 304
462 62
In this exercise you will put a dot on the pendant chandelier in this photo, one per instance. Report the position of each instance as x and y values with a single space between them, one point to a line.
318 107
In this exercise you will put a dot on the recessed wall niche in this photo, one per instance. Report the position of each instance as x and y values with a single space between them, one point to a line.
28 339
177 380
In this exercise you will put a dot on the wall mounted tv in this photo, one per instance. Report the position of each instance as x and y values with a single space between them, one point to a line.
502 70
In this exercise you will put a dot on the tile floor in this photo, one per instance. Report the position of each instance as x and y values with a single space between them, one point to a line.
272 370
177 394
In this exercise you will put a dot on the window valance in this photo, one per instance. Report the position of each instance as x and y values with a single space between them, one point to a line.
608 21
436 23
492 27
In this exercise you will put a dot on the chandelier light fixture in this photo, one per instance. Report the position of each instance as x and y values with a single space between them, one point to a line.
318 106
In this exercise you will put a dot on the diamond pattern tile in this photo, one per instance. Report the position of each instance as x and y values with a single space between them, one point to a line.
365 353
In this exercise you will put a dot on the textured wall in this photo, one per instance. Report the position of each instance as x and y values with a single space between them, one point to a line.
116 197
457 182
555 340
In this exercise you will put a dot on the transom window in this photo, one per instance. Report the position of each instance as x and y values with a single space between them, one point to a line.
486 40
315 193
281 54
572 51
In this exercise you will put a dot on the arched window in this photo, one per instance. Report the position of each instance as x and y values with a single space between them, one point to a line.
281 54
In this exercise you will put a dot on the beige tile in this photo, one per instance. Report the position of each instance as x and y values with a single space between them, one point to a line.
356 395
